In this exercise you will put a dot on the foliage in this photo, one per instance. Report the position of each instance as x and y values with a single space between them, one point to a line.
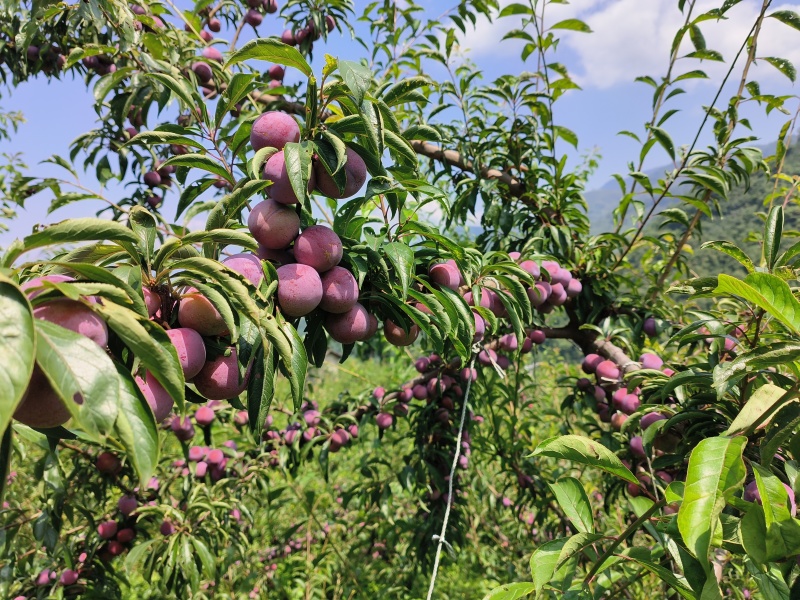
128 319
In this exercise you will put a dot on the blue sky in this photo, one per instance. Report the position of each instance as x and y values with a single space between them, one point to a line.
630 38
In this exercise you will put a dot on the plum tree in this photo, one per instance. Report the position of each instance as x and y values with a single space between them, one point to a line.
273 225
318 247
274 129
299 289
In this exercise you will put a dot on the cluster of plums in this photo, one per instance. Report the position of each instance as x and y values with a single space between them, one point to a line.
309 32
52 57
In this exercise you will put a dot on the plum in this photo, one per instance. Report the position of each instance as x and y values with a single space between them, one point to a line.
649 327
349 327
157 397
246 264
126 535
607 370
372 327
196 312
274 129
590 362
339 290
339 438
318 247
574 288
299 289
446 274
537 336
204 74
107 529
558 295
68 577
152 178
651 361
397 336
281 189
34 287
480 327
650 418
219 378
276 72
539 294
127 504
487 356
270 6
253 17
211 53
279 257
287 37
384 420
204 416
75 316
355 171
531 267
191 350
108 463
41 406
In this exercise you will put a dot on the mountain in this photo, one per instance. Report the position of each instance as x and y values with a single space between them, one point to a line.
741 218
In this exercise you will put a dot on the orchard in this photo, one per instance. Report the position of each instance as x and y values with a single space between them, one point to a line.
342 328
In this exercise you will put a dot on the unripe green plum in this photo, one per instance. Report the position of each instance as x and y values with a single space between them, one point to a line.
339 290
219 378
273 225
299 289
191 350
274 129
157 397
397 336
281 189
355 175
196 312
350 326
318 247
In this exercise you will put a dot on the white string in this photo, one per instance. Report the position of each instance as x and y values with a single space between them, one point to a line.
441 537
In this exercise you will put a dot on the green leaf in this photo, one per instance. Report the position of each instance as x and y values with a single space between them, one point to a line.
510 591
108 82
543 562
357 77
663 138
297 157
150 344
784 66
80 230
789 17
579 449
295 365
572 499
758 407
273 50
17 350
733 251
679 584
261 388
716 470
766 291
164 137
730 372
200 161
136 428
401 256
572 25
773 229
515 9
82 375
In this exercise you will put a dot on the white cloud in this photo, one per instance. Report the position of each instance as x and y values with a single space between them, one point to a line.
633 37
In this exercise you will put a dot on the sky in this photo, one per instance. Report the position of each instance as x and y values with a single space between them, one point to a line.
629 38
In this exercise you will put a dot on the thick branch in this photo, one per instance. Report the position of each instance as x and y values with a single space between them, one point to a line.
454 159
